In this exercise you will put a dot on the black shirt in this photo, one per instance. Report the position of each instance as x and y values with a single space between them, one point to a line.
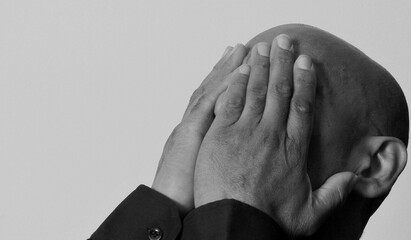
147 214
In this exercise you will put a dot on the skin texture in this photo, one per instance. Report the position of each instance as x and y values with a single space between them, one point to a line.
361 124
351 98
175 172
357 104
355 98
256 149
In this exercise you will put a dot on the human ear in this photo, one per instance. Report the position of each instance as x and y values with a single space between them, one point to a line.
381 160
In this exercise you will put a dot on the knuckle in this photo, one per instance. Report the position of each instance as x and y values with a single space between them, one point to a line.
283 88
302 106
242 82
197 93
235 102
198 100
262 65
304 80
258 90
201 103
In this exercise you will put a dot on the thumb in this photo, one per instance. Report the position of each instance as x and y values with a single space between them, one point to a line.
333 192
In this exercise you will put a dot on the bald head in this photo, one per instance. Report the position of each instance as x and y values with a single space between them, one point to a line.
361 121
356 97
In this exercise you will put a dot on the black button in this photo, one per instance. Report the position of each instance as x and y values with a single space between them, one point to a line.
154 233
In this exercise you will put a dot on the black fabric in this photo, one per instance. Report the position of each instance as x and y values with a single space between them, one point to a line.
230 219
142 210
146 209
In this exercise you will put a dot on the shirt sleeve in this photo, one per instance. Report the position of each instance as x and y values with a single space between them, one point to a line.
230 219
144 214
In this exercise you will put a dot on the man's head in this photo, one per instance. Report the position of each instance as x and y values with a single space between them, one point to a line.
361 119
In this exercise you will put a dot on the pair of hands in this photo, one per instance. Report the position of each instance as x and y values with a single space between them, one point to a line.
245 136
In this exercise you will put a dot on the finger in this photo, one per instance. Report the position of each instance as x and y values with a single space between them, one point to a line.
332 193
226 55
220 98
203 100
301 113
219 103
280 83
247 58
227 50
234 97
231 60
257 83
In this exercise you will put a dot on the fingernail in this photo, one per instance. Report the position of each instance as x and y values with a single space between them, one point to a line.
263 49
234 49
244 69
227 50
304 62
284 42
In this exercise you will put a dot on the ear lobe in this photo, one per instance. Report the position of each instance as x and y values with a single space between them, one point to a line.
381 162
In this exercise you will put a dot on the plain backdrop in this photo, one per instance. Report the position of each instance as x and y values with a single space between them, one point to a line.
91 89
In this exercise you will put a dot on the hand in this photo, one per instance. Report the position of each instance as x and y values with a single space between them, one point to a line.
256 149
175 173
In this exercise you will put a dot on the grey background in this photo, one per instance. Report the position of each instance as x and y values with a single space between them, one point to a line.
90 91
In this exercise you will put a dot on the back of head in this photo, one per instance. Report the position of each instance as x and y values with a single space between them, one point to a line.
356 98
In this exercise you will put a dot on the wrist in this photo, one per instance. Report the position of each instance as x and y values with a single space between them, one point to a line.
177 193
206 197
203 197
